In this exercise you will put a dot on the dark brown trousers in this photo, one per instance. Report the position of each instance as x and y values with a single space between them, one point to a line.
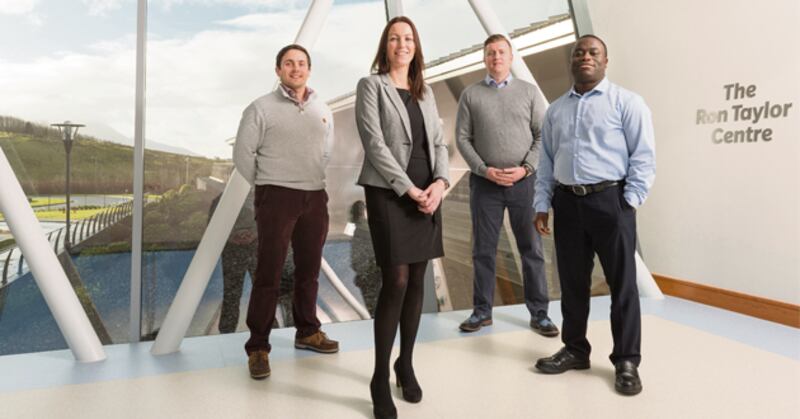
284 216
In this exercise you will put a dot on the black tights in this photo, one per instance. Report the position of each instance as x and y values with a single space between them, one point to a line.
400 301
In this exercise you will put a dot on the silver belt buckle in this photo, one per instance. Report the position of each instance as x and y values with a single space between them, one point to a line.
579 190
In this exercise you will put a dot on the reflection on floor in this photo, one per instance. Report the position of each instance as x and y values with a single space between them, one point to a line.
27 325
699 362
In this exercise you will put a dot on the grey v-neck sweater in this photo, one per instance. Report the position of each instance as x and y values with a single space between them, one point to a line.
501 127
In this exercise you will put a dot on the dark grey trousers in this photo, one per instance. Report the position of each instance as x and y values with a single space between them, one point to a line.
487 204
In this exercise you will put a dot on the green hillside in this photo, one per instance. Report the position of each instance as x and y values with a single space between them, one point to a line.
36 154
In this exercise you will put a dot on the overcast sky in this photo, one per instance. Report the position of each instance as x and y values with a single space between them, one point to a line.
206 59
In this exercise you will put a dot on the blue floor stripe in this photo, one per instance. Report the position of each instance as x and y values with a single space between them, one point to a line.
58 368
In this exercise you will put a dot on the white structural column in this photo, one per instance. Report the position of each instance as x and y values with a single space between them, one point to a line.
394 8
135 327
645 281
313 23
579 9
343 291
47 272
492 25
180 313
194 283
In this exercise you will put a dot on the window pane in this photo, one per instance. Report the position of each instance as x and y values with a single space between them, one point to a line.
206 62
68 61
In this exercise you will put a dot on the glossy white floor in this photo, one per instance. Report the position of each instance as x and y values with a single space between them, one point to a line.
699 362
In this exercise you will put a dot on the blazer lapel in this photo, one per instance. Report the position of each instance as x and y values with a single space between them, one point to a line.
431 124
398 103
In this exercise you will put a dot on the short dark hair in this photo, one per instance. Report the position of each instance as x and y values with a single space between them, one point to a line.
496 38
605 48
288 48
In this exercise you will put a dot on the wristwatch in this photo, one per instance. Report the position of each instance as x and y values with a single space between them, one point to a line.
528 169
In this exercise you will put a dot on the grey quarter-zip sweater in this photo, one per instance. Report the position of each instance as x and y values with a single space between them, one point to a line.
284 142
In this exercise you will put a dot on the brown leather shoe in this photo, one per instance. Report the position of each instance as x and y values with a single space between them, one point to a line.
318 342
258 362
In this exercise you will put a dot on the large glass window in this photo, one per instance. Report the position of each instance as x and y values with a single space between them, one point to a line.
206 62
461 28
68 61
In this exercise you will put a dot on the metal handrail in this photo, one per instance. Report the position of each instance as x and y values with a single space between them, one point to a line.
58 236
83 230
5 267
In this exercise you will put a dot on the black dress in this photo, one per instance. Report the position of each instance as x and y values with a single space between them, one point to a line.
401 234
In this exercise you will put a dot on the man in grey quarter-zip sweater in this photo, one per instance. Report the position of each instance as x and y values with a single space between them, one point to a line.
498 134
282 147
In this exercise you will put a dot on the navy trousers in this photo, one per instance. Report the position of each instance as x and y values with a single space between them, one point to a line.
605 224
488 202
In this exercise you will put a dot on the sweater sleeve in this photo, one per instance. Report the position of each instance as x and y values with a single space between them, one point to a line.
247 140
465 137
538 109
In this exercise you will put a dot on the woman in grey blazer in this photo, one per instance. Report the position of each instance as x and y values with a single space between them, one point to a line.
404 176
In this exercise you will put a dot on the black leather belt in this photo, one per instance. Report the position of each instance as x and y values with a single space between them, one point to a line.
583 190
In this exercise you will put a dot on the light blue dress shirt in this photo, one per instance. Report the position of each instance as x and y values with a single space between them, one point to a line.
603 134
492 83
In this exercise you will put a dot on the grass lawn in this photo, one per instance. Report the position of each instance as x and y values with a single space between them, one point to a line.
58 215
43 201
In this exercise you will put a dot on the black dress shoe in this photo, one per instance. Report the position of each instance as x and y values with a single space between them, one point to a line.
412 392
382 405
475 322
562 361
627 381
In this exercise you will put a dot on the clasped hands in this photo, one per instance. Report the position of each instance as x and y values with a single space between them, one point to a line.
428 200
506 177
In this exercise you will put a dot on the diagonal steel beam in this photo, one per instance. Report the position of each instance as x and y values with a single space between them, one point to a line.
47 272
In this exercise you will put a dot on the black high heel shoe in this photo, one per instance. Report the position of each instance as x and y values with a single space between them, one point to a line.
412 392
382 405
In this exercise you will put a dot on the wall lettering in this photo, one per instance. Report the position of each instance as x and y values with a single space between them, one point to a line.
745 108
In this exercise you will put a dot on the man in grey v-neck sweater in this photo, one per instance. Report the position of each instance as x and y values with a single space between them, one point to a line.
498 134
282 147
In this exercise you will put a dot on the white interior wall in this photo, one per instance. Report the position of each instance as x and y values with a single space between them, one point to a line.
724 215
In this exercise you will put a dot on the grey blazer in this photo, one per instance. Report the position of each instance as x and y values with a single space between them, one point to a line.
385 131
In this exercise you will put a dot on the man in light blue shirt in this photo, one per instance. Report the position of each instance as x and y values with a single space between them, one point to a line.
596 167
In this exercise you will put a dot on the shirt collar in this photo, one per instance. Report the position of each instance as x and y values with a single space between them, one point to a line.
492 83
290 94
601 87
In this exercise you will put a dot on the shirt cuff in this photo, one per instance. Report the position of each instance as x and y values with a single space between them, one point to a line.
541 208
632 199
